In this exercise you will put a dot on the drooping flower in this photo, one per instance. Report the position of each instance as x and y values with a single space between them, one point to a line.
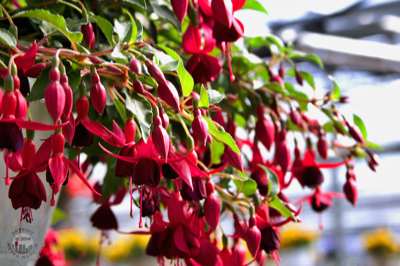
98 95
223 11
198 39
203 68
27 190
55 96
88 35
200 130
104 218
265 129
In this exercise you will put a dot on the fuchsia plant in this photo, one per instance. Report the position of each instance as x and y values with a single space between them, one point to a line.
197 135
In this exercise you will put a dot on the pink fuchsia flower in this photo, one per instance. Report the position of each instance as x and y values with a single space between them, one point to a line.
308 171
26 61
223 11
98 95
27 191
222 33
204 68
200 130
198 39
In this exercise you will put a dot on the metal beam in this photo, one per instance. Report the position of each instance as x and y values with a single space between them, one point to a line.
347 52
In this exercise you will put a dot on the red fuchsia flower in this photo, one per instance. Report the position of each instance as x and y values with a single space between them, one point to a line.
50 255
321 201
55 95
198 39
270 240
35 70
308 171
27 191
197 193
223 11
88 35
282 156
160 138
22 105
11 137
98 95
180 8
222 33
203 68
104 218
373 160
200 130
205 7
238 4
354 133
26 61
265 129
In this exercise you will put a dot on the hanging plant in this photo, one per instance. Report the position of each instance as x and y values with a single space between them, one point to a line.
191 128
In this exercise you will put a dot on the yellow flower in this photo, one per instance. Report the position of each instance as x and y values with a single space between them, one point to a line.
295 236
380 242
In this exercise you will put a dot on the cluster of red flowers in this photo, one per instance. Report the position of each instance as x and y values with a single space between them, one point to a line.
180 190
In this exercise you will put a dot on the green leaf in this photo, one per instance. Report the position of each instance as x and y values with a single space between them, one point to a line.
142 111
309 79
215 96
138 3
221 135
58 216
273 40
37 90
120 109
165 13
299 96
106 28
123 30
278 205
203 102
184 76
255 5
57 21
373 146
312 58
361 126
217 150
248 186
335 93
7 39
134 29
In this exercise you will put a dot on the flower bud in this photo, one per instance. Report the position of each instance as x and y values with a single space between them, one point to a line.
299 78
160 138
354 133
350 191
200 130
9 104
223 11
322 146
180 8
82 107
88 35
168 93
282 155
68 96
98 94
55 96
22 105
296 118
265 129
212 209
135 66
253 238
